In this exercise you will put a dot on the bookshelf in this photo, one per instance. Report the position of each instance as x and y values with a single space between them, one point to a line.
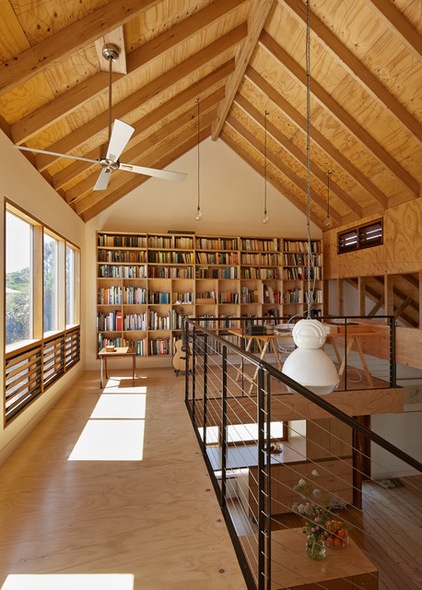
146 282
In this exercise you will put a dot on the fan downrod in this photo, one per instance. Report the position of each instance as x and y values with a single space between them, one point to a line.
111 52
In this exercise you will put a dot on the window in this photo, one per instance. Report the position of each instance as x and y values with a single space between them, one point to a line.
370 235
19 273
72 286
364 236
42 336
51 284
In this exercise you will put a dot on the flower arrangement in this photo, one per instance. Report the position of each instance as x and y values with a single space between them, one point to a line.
316 510
314 507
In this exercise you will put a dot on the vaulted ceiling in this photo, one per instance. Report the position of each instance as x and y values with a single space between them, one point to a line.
245 61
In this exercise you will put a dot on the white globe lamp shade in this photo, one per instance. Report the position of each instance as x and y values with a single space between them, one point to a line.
308 364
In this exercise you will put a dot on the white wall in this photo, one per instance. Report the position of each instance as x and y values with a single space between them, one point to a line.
22 185
231 202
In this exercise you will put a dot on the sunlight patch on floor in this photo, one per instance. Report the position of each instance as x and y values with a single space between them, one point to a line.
110 440
120 405
115 429
69 582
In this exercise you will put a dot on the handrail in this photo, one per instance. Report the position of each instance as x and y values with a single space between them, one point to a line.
208 363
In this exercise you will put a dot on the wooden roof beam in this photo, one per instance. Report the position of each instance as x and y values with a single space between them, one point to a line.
316 136
356 68
66 103
277 161
36 59
185 142
138 153
342 116
300 205
294 151
398 23
186 96
259 12
155 87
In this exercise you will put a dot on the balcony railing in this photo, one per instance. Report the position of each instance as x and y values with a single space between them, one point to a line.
259 441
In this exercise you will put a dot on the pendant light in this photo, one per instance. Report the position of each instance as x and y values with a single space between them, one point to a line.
308 364
198 215
328 223
265 218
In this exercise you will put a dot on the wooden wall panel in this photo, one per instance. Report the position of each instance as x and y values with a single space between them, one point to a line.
400 253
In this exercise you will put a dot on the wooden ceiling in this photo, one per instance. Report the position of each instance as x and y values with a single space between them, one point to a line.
241 59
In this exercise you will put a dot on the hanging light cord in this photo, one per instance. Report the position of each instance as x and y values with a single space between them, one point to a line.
328 192
198 206
308 156
265 163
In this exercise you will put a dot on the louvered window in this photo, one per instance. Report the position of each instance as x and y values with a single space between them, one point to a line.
370 235
364 236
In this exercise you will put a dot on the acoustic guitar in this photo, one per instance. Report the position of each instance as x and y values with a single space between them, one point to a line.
182 350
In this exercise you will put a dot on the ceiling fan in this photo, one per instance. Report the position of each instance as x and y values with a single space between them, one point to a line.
119 135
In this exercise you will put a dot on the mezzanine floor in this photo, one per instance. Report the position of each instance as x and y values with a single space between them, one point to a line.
156 521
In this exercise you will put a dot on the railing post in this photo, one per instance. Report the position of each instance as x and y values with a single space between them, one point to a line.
393 368
205 392
264 486
224 432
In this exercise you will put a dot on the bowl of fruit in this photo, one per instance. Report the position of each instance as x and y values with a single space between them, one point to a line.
338 536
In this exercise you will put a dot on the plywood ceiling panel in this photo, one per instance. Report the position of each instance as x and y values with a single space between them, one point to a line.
241 58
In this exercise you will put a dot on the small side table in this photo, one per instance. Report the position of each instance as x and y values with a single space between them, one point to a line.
122 351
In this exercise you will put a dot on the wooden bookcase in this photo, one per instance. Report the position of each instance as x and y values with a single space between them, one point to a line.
146 281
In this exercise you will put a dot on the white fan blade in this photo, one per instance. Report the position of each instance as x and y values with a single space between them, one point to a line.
29 149
120 136
102 181
166 174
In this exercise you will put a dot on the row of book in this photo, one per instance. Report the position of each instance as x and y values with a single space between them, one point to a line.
117 256
114 271
260 259
228 297
260 273
301 259
228 272
170 272
249 295
270 295
301 273
216 258
122 241
186 297
159 347
205 295
135 295
110 296
157 297
300 246
293 296
216 243
260 245
171 257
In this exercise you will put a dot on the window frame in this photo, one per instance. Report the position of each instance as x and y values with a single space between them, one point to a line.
32 366
361 237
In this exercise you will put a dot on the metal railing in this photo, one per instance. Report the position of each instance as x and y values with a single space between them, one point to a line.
256 450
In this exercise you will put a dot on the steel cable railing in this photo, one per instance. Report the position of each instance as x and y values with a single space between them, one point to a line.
253 482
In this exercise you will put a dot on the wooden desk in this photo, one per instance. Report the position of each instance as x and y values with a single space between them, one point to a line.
263 341
352 335
292 568
123 351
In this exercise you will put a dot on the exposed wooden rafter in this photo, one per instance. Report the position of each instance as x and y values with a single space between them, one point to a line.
242 58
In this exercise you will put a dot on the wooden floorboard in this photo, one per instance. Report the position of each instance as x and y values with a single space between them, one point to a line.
156 519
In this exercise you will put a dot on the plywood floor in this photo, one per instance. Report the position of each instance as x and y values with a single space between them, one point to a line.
155 520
